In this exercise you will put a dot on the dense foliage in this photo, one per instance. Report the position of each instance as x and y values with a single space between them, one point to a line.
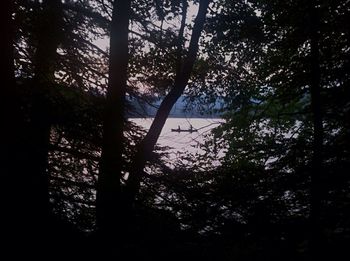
274 174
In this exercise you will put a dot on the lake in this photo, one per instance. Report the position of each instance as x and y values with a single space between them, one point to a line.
181 142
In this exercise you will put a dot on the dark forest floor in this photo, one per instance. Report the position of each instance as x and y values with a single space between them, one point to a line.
60 241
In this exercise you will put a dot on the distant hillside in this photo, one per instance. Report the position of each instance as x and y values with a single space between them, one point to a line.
183 108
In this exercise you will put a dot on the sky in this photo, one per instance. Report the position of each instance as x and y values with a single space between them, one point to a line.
192 10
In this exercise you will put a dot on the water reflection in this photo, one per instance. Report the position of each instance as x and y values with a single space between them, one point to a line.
182 141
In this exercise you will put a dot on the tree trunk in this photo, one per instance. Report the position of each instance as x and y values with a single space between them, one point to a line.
108 192
6 51
10 118
34 176
183 74
8 109
317 158
26 136
45 58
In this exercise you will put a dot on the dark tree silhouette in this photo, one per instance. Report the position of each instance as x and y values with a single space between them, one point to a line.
184 70
48 38
8 88
108 192
271 183
10 114
317 147
27 131
7 65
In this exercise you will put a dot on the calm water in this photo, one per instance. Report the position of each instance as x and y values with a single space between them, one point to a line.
182 141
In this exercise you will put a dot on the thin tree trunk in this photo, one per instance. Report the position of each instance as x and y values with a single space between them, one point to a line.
9 99
317 158
108 193
7 66
36 161
181 38
25 142
10 118
184 71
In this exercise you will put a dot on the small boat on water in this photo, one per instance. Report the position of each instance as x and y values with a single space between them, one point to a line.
191 129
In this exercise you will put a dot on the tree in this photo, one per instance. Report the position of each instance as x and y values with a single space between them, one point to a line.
7 66
108 197
26 133
184 70
280 79
49 37
27 142
10 115
281 68
317 147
